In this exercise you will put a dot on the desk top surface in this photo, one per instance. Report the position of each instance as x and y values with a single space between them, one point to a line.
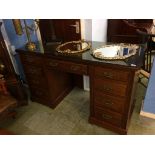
87 57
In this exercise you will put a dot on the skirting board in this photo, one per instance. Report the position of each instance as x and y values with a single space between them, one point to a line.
147 114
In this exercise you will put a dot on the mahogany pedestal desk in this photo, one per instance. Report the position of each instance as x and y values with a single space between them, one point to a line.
112 83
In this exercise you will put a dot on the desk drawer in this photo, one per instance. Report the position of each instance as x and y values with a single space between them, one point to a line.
68 66
110 87
34 71
76 68
109 102
39 82
30 59
108 117
111 73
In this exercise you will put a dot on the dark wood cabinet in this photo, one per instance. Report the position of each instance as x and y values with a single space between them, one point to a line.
56 31
125 30
14 85
112 86
47 85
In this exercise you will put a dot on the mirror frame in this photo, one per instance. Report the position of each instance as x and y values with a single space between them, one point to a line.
97 55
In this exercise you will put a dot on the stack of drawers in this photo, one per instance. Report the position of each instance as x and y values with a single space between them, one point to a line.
110 91
33 69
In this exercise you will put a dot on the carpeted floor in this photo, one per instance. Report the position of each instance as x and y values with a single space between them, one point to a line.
71 117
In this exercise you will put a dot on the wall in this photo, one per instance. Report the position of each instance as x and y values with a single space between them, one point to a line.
94 29
99 30
86 29
149 101
16 41
86 34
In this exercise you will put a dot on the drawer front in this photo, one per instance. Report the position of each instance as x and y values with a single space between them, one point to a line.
29 59
33 71
108 117
76 68
68 66
36 81
110 87
110 102
111 74
55 64
39 93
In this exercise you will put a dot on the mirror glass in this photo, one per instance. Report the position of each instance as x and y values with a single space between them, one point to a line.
73 47
114 52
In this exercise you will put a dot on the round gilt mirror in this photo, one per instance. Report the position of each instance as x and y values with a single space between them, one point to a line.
115 51
73 47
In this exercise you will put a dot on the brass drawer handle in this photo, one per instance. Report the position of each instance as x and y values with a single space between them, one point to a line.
53 64
105 116
108 103
108 75
75 68
107 88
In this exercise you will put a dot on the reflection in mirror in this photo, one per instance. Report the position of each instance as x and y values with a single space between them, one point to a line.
115 51
73 47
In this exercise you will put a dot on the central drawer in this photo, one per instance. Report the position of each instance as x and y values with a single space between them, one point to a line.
68 66
111 87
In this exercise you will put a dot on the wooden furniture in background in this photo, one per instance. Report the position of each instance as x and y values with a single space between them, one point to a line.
149 51
125 31
133 31
59 30
7 102
13 84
